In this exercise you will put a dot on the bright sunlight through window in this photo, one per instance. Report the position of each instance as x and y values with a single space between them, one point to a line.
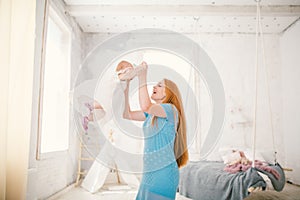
56 82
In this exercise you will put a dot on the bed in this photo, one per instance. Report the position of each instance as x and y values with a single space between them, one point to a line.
207 180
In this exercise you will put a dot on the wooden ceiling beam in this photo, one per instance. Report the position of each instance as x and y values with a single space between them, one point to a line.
184 10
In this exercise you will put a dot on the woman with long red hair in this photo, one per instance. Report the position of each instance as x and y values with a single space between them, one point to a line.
165 144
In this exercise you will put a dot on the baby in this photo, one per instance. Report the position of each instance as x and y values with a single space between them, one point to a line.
124 71
97 173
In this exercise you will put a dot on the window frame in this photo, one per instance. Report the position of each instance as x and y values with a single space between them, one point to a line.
50 10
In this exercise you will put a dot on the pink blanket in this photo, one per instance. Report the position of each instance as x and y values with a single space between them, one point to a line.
238 167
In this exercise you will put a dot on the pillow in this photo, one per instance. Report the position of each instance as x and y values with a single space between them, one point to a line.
232 157
268 156
214 157
249 154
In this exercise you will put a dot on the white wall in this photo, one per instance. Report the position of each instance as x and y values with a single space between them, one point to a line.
234 58
290 72
54 171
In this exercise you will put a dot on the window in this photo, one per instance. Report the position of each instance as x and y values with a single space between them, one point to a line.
54 106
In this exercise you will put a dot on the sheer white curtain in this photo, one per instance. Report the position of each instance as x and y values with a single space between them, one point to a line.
17 35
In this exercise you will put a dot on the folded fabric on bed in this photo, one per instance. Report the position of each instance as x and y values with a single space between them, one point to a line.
259 165
278 183
207 180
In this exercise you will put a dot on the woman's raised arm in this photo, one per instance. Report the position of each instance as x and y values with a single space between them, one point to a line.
128 114
144 99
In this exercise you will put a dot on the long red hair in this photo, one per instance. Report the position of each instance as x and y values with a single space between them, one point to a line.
173 97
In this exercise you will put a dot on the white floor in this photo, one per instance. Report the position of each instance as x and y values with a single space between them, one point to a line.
78 193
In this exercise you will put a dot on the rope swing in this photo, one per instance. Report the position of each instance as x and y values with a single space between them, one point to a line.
259 33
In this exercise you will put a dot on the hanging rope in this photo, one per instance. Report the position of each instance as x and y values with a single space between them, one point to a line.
267 84
255 78
268 89
259 33
198 136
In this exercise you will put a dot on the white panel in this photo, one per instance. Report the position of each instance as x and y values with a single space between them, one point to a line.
290 47
235 16
183 24
180 2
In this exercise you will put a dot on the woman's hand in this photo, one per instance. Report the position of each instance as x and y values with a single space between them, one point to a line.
127 74
142 69
144 98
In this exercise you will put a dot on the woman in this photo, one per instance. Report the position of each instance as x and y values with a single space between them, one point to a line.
165 147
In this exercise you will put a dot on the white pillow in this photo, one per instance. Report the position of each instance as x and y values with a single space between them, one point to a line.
214 156
269 156
249 154
231 157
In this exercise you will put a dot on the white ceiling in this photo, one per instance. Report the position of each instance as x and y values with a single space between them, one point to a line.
180 2
189 16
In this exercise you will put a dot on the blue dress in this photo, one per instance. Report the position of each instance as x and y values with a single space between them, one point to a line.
161 175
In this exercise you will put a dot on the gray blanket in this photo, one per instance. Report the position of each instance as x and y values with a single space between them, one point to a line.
206 180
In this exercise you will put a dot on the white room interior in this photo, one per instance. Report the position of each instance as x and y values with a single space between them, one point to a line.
225 30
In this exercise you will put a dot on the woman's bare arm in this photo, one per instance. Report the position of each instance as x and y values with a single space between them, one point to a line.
144 99
128 114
